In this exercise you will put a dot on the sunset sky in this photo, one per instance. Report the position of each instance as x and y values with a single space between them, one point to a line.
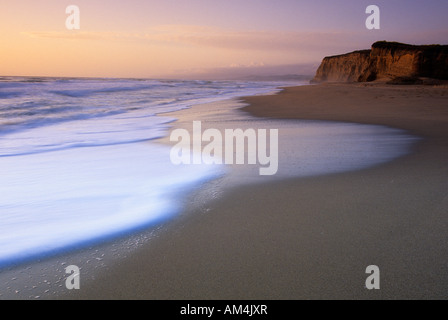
161 38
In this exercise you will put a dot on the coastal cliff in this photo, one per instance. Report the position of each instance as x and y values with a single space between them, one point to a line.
386 60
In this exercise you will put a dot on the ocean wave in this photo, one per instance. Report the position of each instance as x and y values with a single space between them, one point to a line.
10 94
89 92
65 199
73 168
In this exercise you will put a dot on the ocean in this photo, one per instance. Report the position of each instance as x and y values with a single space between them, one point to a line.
77 164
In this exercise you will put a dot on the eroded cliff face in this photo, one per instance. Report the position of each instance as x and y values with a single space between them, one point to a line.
386 60
346 67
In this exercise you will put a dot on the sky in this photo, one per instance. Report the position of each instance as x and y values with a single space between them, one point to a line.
191 38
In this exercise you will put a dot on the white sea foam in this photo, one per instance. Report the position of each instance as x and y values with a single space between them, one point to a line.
77 163
54 200
76 160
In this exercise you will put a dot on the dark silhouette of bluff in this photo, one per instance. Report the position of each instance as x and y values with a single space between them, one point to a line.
386 60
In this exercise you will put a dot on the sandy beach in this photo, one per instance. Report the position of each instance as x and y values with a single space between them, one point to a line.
224 150
312 238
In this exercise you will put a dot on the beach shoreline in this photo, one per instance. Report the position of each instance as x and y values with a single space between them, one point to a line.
304 238
312 238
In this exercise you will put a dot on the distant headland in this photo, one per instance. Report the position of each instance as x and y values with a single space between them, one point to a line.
395 62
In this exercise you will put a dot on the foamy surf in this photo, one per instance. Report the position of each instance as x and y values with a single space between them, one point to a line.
51 201
77 164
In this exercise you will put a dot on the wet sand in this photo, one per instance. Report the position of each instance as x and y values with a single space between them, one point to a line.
312 238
